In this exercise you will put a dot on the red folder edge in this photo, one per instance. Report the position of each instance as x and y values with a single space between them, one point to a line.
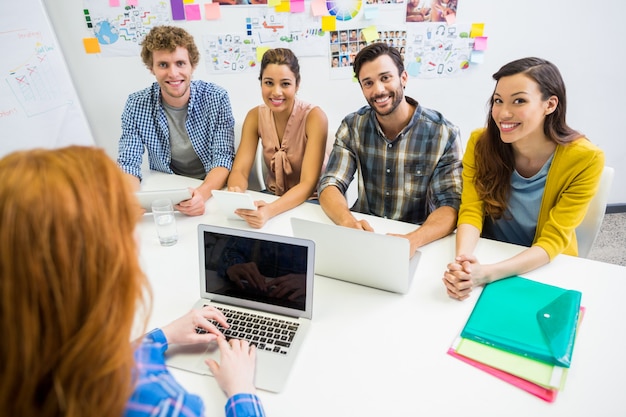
546 394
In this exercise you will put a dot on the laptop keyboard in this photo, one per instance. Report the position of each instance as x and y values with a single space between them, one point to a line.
266 333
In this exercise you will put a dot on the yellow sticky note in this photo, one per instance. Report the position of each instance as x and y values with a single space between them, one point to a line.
260 50
477 30
284 7
91 45
188 1
329 23
212 11
369 33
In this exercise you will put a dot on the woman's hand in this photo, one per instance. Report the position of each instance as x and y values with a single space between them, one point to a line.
183 330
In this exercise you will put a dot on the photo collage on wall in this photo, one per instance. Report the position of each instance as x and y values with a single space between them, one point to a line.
345 44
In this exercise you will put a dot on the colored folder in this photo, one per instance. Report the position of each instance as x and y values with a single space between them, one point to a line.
540 373
547 394
528 318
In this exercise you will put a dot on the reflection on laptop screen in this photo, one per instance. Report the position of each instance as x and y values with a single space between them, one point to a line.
254 269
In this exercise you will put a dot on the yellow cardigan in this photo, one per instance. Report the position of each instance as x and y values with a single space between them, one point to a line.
571 183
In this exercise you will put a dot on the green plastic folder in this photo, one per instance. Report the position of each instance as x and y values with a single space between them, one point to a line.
528 318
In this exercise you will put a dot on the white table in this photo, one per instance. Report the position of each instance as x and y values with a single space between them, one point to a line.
388 358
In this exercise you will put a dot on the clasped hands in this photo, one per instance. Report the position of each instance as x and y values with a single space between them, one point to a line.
462 275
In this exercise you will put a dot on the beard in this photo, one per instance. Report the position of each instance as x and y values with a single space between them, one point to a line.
396 98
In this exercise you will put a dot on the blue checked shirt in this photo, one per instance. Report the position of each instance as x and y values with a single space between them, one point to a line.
405 178
209 124
158 394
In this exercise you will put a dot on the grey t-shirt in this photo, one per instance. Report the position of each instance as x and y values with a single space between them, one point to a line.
185 161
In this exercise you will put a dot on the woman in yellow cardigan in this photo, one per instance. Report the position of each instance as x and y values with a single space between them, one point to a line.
528 178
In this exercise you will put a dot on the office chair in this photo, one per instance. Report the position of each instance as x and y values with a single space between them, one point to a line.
587 231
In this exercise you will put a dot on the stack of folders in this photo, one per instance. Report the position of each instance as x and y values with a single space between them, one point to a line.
522 332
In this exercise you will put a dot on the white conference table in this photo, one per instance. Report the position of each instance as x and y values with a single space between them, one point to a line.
375 353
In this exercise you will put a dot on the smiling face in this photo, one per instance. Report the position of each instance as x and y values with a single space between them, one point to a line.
279 88
173 72
518 108
381 84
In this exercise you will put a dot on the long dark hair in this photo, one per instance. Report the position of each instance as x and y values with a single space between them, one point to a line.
494 158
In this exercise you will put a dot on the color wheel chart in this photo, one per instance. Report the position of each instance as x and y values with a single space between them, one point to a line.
344 9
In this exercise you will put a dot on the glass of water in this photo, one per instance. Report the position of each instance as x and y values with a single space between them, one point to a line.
163 212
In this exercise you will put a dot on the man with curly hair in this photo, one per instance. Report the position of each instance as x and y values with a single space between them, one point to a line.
185 125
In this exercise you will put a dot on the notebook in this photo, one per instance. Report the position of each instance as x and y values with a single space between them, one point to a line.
175 195
277 301
366 258
528 318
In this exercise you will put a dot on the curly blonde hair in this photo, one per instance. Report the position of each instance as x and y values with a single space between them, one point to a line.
168 38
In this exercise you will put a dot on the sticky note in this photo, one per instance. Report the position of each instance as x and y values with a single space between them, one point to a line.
132 3
212 11
318 8
329 23
370 11
477 30
477 57
283 7
188 1
414 68
178 9
91 45
369 33
260 50
480 43
297 6
114 3
192 11
273 3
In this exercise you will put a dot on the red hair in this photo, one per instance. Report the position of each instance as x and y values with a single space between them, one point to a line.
70 283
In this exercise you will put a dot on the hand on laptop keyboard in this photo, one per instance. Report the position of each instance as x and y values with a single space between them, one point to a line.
183 330
266 333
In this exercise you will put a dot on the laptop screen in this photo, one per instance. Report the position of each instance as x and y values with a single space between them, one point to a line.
260 268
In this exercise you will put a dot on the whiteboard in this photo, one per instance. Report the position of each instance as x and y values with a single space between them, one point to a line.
39 106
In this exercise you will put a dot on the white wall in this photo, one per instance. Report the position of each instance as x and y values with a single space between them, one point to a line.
583 43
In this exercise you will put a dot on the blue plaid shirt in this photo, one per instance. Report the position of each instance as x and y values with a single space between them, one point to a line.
209 124
404 178
158 394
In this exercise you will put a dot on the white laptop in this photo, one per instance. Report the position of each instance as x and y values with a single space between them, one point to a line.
175 195
366 258
278 301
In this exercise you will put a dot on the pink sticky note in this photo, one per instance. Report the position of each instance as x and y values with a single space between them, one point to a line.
297 6
212 11
192 12
318 8
114 3
480 43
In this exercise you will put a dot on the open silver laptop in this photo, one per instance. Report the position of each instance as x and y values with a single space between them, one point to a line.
272 308
371 259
